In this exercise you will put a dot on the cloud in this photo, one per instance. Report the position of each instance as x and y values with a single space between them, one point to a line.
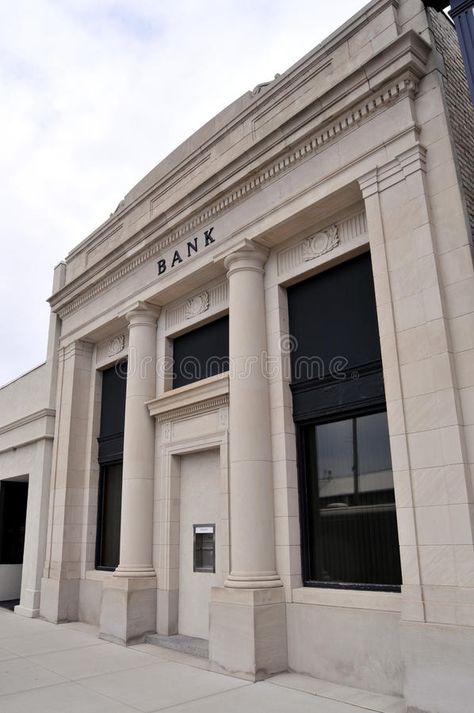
94 94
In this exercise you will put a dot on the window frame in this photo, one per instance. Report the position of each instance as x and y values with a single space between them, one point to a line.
303 497
201 568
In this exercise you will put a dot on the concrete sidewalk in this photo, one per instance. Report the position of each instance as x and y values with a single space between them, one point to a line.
46 668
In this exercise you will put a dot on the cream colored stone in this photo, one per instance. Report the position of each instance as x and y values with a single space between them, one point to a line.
248 632
320 646
251 507
356 136
437 564
410 566
433 525
128 609
406 526
439 660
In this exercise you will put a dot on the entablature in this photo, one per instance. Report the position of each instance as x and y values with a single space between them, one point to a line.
389 76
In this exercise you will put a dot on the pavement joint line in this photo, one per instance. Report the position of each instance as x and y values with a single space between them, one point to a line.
245 684
331 698
106 696
110 673
51 651
94 675
66 682
37 688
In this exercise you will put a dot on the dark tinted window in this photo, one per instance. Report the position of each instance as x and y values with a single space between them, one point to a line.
201 353
332 315
112 413
112 422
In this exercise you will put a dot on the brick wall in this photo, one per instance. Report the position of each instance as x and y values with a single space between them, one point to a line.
458 101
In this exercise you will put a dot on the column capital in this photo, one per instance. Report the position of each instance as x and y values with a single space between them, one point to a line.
142 313
247 256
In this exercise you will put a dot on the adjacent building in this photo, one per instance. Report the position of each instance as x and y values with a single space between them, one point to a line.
255 425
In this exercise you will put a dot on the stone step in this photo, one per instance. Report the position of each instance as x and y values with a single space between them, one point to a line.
178 642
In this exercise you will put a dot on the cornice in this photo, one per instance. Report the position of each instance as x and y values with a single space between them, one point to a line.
370 102
206 395
30 442
303 70
36 416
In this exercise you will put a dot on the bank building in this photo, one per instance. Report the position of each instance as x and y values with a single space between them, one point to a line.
254 428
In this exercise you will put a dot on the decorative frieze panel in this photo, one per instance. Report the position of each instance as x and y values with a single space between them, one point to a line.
196 305
116 345
324 241
111 349
317 245
166 432
214 299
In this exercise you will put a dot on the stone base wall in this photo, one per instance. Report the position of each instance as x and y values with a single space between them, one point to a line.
439 665
359 648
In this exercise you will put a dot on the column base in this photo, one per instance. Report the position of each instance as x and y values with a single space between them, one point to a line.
59 600
439 661
134 572
128 609
253 582
25 611
247 634
29 605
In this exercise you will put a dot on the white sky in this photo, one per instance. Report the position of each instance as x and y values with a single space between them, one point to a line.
93 94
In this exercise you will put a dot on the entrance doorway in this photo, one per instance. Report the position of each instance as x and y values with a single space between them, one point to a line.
13 501
199 557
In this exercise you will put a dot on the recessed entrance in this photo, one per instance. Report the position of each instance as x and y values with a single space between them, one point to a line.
198 554
13 501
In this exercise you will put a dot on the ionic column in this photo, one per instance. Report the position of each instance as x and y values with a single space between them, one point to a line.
247 630
136 535
128 605
251 484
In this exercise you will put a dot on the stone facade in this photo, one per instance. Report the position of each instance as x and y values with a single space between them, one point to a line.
27 408
355 148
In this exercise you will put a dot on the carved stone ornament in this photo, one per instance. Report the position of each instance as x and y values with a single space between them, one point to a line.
197 304
166 432
223 417
115 345
321 243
